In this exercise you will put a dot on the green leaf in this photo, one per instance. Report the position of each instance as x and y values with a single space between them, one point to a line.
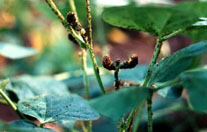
158 21
195 82
22 126
114 105
198 31
49 108
170 67
12 51
200 8
171 92
27 86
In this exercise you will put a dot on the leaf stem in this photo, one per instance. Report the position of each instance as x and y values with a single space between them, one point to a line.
169 83
172 34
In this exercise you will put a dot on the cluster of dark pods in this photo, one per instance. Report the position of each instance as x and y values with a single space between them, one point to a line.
116 65
110 65
76 26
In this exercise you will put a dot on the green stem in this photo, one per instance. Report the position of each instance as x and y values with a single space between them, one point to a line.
89 126
90 47
169 83
9 102
84 69
153 61
139 115
149 109
85 75
149 73
172 34
83 57
83 126
147 78
75 34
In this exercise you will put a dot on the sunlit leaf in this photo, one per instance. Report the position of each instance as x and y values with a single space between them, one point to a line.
13 51
49 108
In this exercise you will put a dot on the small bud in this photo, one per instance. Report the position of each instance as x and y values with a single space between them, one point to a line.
130 63
72 20
107 63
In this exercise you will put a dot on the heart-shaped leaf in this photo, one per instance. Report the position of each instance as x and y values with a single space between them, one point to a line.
22 126
49 108
27 86
114 105
158 21
13 51
195 82
170 67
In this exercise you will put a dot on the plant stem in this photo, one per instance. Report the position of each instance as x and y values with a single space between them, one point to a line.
83 57
83 126
149 72
172 34
84 69
85 75
9 102
75 34
153 61
89 126
90 47
79 39
116 76
147 78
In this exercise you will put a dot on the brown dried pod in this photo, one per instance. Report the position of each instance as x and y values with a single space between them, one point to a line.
108 63
130 63
72 20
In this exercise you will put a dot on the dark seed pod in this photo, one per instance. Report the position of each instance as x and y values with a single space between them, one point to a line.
72 20
108 63
71 38
130 63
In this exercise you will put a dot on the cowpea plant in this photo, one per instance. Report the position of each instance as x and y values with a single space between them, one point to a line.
48 100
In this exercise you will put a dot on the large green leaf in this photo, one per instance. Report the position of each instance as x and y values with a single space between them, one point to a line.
154 20
49 108
27 86
13 51
200 8
22 126
170 67
195 82
114 105
198 31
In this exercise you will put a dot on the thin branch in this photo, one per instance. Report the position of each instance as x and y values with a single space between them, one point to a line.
89 22
90 47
